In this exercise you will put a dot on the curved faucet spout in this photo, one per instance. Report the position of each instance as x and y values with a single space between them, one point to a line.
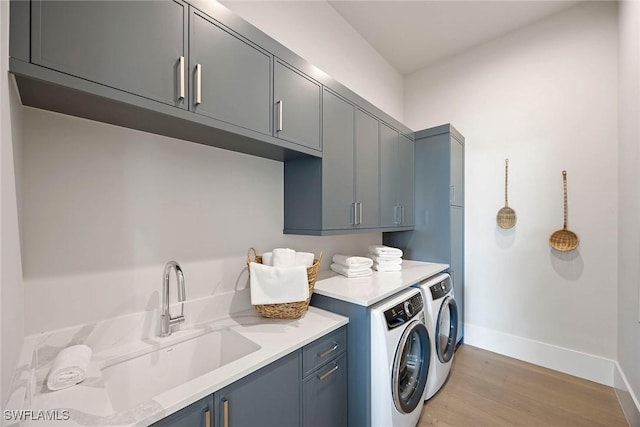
165 317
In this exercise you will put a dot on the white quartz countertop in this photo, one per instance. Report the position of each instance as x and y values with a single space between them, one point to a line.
367 291
89 402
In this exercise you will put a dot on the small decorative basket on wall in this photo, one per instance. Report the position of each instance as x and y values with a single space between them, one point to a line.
289 310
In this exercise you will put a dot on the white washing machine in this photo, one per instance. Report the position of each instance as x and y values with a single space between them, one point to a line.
441 317
400 355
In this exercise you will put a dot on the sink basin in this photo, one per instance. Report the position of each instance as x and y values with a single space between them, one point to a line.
140 378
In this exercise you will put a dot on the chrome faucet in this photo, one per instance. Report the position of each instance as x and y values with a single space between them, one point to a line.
165 317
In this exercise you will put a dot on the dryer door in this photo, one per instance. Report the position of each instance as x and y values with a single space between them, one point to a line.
447 330
410 367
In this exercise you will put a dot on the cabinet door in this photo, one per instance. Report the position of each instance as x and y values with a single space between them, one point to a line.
456 194
457 262
133 46
269 397
337 162
199 414
406 180
325 396
231 77
389 212
367 174
297 107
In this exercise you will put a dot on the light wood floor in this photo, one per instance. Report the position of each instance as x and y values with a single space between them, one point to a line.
488 389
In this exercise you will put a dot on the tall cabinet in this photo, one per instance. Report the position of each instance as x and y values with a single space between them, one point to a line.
438 235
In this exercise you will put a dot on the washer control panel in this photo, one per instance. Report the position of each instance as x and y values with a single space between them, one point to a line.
404 311
441 289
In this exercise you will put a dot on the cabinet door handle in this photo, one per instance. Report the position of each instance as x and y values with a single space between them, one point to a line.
198 84
328 352
225 413
280 127
181 78
359 213
452 193
402 213
354 213
207 418
328 373
396 215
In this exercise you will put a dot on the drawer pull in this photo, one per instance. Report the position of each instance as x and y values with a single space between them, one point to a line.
328 373
225 413
207 418
328 352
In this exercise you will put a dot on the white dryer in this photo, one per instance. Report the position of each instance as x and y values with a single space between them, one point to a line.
400 355
441 317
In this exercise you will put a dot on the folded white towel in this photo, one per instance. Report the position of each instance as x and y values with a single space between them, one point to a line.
353 261
275 285
386 260
70 367
385 251
267 258
387 267
351 272
284 257
305 258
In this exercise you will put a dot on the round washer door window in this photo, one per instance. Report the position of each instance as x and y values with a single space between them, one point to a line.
447 330
410 367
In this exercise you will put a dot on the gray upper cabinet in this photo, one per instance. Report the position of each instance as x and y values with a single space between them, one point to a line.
131 46
339 210
456 187
396 179
367 171
297 104
231 76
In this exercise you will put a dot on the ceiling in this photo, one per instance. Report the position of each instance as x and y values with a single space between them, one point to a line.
414 34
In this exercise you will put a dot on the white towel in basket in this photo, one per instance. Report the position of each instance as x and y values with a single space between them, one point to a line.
275 285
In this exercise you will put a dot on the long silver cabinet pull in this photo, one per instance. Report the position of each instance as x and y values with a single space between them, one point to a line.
225 413
329 372
207 418
395 215
181 78
402 213
328 352
280 127
452 193
354 212
198 84
359 213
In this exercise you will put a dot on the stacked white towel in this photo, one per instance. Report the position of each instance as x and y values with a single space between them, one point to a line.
352 266
386 258
70 367
281 278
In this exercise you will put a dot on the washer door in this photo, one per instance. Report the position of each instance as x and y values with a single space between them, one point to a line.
447 330
410 367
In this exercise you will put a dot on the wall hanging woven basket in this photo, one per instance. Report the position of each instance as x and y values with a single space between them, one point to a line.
289 310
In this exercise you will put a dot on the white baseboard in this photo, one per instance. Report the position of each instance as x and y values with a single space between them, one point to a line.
572 362
628 400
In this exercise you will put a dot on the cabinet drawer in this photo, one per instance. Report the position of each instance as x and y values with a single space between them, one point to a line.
323 350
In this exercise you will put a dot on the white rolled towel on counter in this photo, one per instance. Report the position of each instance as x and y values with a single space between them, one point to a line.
284 257
385 251
382 268
70 367
386 260
351 272
353 262
275 285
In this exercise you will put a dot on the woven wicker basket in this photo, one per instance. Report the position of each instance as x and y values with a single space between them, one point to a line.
289 310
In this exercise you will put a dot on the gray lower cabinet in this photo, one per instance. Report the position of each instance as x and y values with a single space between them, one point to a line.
269 397
325 395
297 104
396 178
132 46
231 76
198 414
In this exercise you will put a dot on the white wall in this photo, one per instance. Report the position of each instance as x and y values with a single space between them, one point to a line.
104 208
316 32
11 287
629 211
544 96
